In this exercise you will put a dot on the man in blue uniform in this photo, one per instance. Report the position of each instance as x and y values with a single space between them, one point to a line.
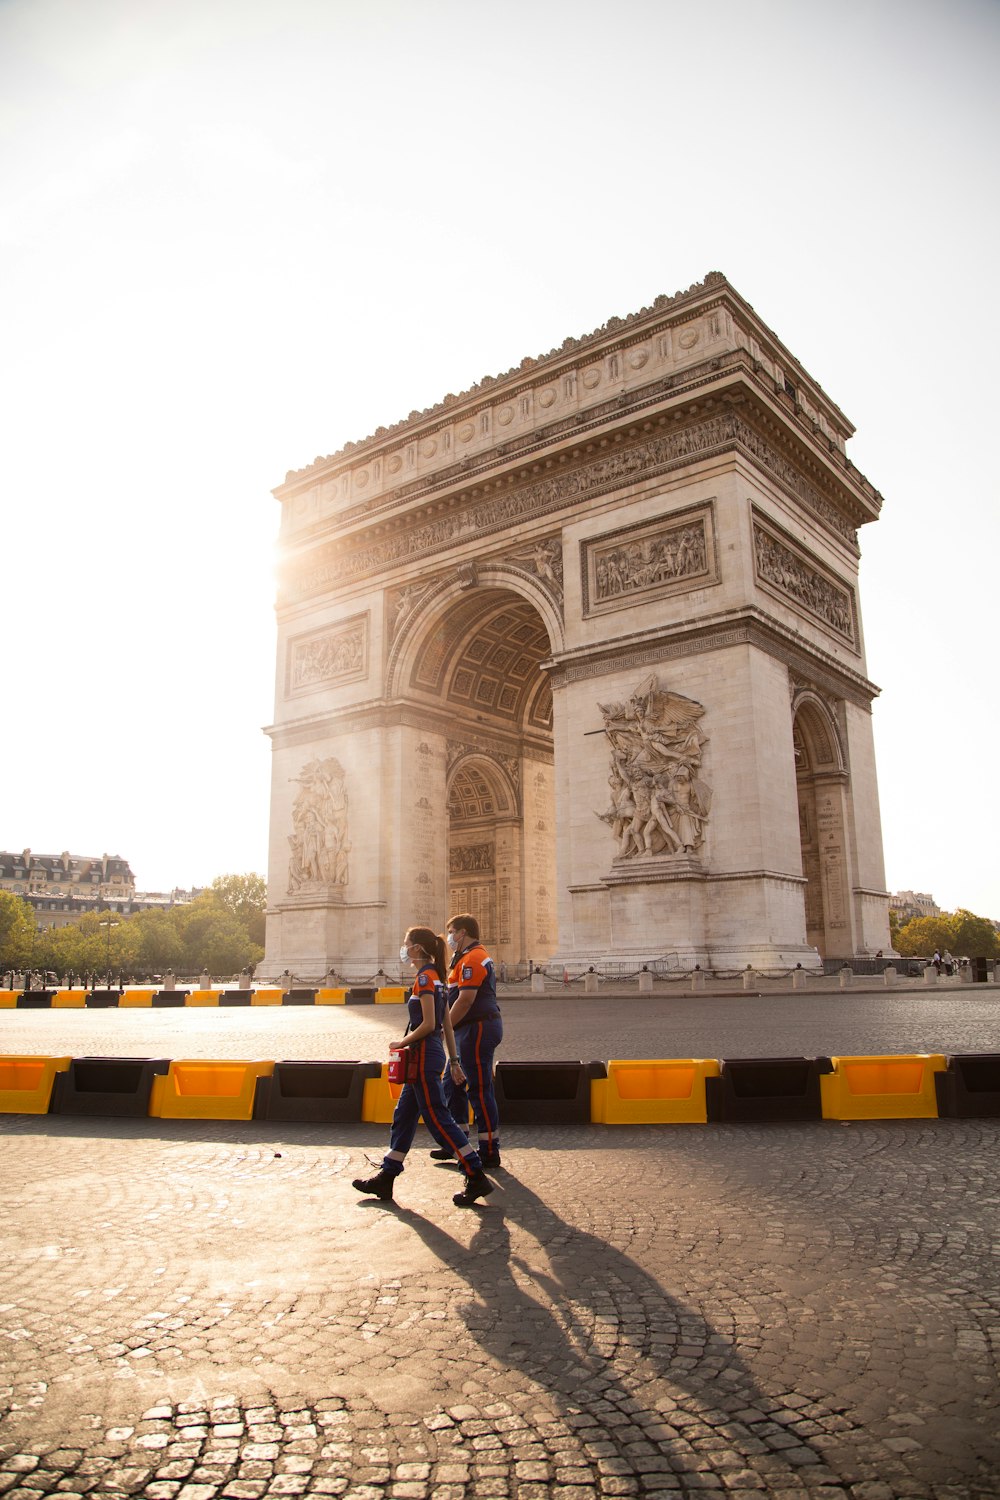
475 1017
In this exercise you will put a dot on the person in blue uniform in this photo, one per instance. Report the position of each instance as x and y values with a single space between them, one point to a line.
478 1027
428 1020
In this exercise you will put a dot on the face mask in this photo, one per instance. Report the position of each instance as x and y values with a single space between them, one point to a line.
404 954
452 942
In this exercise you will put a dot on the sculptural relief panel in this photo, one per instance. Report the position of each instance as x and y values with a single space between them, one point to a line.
792 574
323 658
318 843
659 802
637 563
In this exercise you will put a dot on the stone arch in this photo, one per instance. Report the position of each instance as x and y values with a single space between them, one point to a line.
822 787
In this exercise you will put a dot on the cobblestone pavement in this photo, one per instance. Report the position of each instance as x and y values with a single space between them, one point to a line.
203 1309
668 1023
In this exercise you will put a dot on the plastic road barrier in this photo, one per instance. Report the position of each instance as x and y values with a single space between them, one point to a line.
235 997
267 997
34 1000
391 994
653 1091
750 1089
118 1086
103 999
194 1089
896 1087
8 999
136 997
332 995
299 997
69 999
164 998
320 1093
203 997
361 994
26 1083
545 1093
971 1086
379 1099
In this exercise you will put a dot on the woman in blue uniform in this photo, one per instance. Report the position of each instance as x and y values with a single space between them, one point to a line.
427 1010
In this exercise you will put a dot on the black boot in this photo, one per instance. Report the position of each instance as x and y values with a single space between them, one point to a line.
490 1159
443 1153
379 1186
477 1186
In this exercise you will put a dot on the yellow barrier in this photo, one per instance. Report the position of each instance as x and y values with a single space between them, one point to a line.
331 997
391 994
379 1099
69 1000
882 1088
26 1083
134 997
655 1091
203 997
8 999
266 997
194 1089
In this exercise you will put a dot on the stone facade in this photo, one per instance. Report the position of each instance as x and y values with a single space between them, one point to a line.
580 650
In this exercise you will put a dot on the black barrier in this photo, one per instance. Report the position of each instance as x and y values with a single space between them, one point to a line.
970 1087
767 1088
299 997
106 1086
361 994
170 997
980 970
235 997
35 1000
319 1093
98 999
545 1093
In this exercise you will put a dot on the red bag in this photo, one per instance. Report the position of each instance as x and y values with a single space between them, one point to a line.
404 1066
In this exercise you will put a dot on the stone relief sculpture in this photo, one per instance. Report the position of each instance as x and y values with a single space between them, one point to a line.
659 804
544 559
779 566
324 657
319 846
678 553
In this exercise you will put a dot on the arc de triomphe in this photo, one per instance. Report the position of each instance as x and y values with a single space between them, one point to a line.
580 651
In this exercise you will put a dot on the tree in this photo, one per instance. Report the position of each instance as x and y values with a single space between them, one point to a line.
973 937
245 896
17 932
921 935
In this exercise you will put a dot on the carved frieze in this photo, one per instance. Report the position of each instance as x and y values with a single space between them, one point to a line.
323 658
345 560
318 842
638 563
659 803
469 859
792 574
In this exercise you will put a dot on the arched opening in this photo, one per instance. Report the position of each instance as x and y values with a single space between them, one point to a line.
479 660
821 781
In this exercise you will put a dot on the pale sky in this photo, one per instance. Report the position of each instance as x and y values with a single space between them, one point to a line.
235 234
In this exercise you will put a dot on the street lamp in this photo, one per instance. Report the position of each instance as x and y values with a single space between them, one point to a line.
108 923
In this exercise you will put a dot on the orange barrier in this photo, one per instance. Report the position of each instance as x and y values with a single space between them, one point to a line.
26 1083
194 1089
267 997
69 1000
656 1091
332 996
882 1088
203 997
135 997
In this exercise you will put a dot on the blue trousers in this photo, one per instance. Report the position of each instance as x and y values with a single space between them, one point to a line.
477 1043
426 1097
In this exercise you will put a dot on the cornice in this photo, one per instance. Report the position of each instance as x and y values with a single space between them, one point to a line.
735 628
354 719
618 334
718 425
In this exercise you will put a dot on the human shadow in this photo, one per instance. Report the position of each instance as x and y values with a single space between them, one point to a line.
589 1327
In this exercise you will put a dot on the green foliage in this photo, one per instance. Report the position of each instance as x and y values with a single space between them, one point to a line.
222 931
17 931
962 933
974 937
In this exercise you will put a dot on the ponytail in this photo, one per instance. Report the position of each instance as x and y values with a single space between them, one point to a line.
433 945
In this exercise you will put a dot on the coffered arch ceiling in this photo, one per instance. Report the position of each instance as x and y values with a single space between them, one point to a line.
482 659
